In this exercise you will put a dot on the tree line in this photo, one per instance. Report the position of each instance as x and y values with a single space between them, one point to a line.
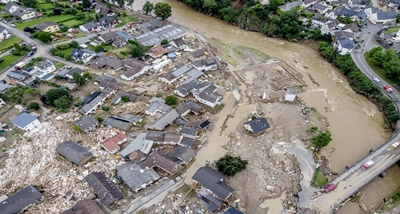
388 60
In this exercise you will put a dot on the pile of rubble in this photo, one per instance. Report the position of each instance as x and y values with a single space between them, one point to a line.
58 179
129 108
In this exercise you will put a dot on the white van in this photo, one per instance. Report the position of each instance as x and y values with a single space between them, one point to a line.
377 81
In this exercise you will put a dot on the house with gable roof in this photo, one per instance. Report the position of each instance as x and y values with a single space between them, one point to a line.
84 55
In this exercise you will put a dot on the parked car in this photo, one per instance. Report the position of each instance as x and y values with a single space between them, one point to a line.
56 39
33 59
4 21
394 145
30 53
388 89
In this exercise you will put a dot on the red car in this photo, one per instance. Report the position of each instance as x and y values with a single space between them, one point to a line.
56 39
388 89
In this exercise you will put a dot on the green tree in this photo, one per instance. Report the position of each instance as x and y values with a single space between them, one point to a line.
86 3
44 37
274 4
105 108
17 46
136 51
68 57
171 100
53 94
78 79
74 44
148 7
33 105
80 16
210 6
398 18
124 14
163 10
164 42
121 3
30 3
230 165
392 70
288 25
98 49
322 139
124 99
62 102
228 14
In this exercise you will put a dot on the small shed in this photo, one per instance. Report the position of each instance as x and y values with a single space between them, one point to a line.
290 95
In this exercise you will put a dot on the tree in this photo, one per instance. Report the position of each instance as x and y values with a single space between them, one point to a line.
78 79
86 3
163 10
124 14
44 37
16 53
74 11
287 26
74 44
228 14
136 51
171 100
322 139
105 108
210 6
230 165
33 105
30 3
62 102
80 16
98 49
398 18
124 99
56 11
274 4
121 3
53 94
68 57
164 42
148 7
17 46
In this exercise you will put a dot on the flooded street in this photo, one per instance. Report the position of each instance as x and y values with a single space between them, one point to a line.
355 123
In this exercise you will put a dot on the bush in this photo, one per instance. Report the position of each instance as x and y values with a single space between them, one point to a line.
99 119
105 108
322 139
63 46
34 105
171 100
78 103
230 165
164 42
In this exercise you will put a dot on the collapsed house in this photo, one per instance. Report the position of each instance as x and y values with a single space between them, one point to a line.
136 177
74 152
19 201
104 188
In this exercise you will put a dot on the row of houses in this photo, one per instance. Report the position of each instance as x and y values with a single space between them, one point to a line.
22 13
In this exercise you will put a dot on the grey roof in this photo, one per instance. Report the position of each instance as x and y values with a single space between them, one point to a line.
353 27
156 136
106 20
395 1
187 142
124 35
86 121
290 5
197 53
63 72
87 107
156 99
105 78
157 106
346 12
189 131
182 70
136 144
164 120
162 160
319 6
103 9
44 25
117 122
103 61
210 96
180 42
132 118
131 97
347 43
45 63
185 154
211 179
9 5
134 64
20 200
258 125
118 42
185 89
23 120
73 151
78 53
172 137
75 70
343 34
3 86
362 15
86 206
109 36
20 12
2 29
135 177
18 74
189 105
374 9
193 75
387 15
153 24
232 210
154 37
90 25
333 24
104 188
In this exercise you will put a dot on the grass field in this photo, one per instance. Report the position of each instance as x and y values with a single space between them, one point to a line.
319 179
71 23
127 19
58 18
378 70
8 43
68 51
59 65
8 60
392 30
45 6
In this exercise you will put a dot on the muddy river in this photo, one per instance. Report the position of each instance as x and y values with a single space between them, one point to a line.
355 123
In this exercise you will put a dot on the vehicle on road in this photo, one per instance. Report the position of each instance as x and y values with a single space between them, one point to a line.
395 145
30 53
377 81
31 37
33 59
12 25
330 187
388 89
367 165
19 65
4 21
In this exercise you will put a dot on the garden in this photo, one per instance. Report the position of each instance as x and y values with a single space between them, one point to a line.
7 61
8 43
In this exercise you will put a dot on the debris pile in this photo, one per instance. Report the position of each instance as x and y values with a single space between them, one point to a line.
129 108
59 180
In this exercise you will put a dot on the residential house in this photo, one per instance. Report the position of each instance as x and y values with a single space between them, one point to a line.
112 144
185 154
107 62
3 33
151 25
137 156
371 10
132 118
157 107
120 94
140 143
321 8
124 35
70 73
165 120
50 27
45 66
162 160
20 200
89 27
329 27
187 142
344 46
209 96
290 95
25 13
156 136
179 43
108 82
117 122
205 64
197 55
189 106
12 7
353 27
74 152
96 101
6 1
21 77
331 14
102 9
357 3
394 4
86 206
84 55
345 12
157 52
362 16
104 188
167 78
4 87
172 138
256 126
108 37
383 17
190 132
87 123
26 122
309 3
185 89
107 21
291 5
134 69
192 75
136 177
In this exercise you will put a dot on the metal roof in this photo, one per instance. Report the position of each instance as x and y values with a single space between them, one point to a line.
23 120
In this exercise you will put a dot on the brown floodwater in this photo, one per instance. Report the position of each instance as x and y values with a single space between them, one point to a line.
355 123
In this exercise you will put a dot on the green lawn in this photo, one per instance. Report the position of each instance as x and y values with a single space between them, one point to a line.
68 51
127 19
378 70
59 65
319 179
393 29
2 7
73 22
8 43
58 18
45 6
8 60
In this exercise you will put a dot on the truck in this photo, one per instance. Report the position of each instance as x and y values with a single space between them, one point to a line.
330 187
367 165
19 65
58 34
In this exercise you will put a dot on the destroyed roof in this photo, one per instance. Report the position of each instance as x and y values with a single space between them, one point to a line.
154 99
189 105
131 97
44 25
87 107
212 180
117 122
104 188
135 177
179 42
258 125
210 200
157 51
162 160
20 200
172 137
86 206
193 75
197 53
73 151
23 120
132 118
187 142
156 136
164 120
136 144
86 122
185 154
232 210
157 106
168 76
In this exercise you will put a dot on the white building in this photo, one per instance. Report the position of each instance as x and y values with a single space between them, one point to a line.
383 17
45 66
344 46
3 33
26 122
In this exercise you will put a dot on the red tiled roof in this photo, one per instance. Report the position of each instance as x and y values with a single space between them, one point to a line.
112 143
